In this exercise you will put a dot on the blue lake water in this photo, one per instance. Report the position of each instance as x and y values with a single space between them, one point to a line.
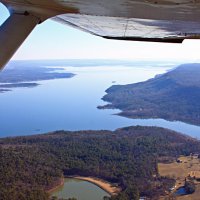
71 104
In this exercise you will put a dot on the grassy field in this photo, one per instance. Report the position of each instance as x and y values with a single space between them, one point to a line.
180 171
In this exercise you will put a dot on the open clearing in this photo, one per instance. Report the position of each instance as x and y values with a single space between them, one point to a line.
180 170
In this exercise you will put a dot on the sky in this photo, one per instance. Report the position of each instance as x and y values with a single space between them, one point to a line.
51 40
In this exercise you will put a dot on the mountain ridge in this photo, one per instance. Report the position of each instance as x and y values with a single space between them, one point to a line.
172 96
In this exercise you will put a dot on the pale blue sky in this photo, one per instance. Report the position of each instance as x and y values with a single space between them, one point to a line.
51 40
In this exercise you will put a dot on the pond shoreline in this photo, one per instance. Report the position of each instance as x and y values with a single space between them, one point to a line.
62 182
104 185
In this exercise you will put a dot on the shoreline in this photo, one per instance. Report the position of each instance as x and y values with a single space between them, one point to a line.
57 186
104 185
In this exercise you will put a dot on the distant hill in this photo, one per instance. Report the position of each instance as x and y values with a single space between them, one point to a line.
20 74
174 95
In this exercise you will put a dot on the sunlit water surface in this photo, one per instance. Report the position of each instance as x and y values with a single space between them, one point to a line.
71 104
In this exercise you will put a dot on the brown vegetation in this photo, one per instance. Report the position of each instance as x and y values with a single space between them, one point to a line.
181 170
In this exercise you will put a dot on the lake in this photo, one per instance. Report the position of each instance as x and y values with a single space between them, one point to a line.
81 190
71 104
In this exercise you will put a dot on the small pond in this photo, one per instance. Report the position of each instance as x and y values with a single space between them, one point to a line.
181 191
81 190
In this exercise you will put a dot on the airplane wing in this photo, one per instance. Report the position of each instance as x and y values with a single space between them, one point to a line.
137 20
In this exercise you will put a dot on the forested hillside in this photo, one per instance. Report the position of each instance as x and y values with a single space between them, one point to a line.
34 164
174 95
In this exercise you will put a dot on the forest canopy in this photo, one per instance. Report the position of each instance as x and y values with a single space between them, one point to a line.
31 165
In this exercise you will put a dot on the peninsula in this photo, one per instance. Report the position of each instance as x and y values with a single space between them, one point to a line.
27 73
172 96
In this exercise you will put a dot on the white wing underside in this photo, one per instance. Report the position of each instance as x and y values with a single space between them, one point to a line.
133 28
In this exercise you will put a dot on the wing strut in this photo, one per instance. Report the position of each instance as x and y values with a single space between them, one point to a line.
13 32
